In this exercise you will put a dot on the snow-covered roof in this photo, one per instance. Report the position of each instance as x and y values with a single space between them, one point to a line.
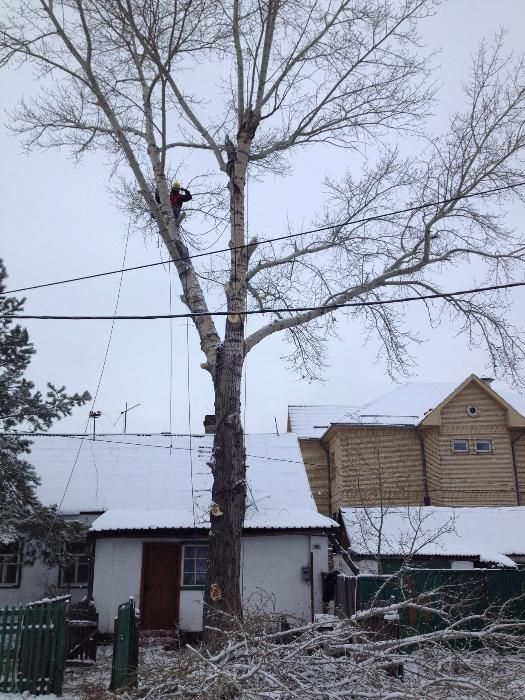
491 533
312 421
163 481
406 404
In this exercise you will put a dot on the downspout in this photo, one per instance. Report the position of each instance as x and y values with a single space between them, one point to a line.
327 451
426 495
515 468
92 545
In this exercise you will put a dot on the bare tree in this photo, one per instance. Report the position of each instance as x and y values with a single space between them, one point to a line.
121 76
404 532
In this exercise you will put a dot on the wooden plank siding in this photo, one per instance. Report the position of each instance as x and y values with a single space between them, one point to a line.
473 479
374 465
518 436
316 463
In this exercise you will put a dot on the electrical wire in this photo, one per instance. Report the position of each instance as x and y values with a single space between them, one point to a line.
189 417
341 224
104 362
103 440
285 309
171 355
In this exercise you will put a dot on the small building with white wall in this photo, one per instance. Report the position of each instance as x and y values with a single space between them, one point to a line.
148 498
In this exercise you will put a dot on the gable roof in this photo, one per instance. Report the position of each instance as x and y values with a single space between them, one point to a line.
506 400
406 405
491 533
158 481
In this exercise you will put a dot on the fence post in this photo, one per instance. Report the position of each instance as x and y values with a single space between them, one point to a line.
125 647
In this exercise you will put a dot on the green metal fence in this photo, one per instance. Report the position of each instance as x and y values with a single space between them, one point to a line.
125 647
33 646
461 592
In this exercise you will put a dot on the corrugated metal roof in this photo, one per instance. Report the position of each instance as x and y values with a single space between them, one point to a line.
491 533
406 404
313 421
150 480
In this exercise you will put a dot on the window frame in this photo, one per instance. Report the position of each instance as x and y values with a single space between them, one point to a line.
484 452
4 564
194 585
76 563
460 452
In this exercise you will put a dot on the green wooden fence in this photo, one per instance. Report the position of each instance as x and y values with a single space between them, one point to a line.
125 647
9 646
33 646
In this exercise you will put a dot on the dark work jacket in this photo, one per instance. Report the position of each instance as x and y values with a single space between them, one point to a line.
177 199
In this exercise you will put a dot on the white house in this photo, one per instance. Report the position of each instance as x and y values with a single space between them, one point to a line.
147 498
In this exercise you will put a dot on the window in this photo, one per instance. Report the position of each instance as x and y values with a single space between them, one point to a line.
195 564
473 411
484 446
460 445
10 565
75 573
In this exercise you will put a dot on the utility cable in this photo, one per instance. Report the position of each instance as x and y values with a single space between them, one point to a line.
353 222
171 354
282 310
196 449
106 354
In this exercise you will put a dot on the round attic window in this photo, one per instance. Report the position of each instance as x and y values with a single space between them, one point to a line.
472 410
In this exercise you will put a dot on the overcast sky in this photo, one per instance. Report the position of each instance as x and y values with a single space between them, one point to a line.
58 220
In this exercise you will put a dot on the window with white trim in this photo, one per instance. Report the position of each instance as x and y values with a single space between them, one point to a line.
194 564
460 446
483 446
75 574
10 565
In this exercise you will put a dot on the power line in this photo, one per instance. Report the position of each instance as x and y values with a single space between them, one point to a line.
282 310
100 439
276 239
102 370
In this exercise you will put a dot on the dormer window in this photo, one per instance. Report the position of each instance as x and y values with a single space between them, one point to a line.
460 446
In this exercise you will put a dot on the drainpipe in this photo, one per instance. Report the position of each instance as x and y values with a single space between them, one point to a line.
92 545
426 495
327 451
515 468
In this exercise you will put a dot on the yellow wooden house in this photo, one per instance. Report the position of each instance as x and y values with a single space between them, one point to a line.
420 444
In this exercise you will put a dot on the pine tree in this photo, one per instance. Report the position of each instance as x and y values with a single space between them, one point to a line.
24 408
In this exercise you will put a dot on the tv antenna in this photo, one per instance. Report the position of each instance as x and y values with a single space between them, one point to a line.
125 414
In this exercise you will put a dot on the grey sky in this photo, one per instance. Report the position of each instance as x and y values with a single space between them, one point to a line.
58 220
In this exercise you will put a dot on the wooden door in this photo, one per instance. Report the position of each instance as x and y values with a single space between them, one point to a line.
160 586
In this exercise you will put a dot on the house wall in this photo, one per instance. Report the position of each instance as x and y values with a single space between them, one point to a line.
271 576
471 479
36 582
316 463
41 581
518 436
371 465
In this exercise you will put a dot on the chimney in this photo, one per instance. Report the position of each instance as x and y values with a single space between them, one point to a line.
487 380
209 424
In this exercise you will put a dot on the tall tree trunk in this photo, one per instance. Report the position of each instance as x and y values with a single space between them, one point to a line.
223 592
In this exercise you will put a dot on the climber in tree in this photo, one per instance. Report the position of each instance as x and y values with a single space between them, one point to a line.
178 196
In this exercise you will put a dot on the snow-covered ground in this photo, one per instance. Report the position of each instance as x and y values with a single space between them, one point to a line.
320 662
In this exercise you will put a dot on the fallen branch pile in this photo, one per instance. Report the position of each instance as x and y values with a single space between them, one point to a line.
475 657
